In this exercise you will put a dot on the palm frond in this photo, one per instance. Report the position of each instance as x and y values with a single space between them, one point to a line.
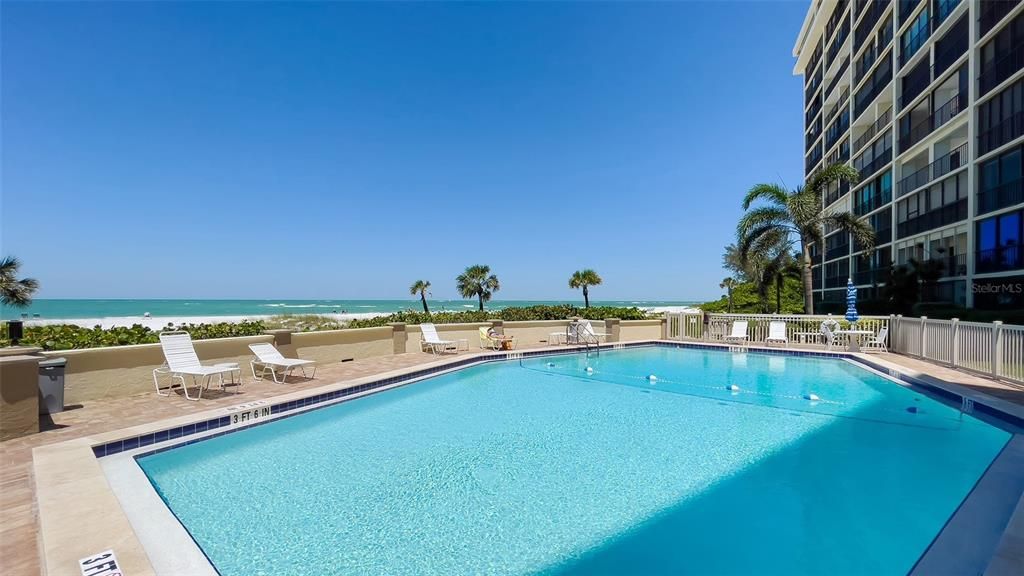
771 193
830 174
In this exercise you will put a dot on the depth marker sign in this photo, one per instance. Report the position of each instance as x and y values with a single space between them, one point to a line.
102 564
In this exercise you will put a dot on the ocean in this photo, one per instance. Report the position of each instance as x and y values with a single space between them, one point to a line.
50 309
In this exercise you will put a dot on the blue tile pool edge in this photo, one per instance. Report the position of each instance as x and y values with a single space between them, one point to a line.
281 409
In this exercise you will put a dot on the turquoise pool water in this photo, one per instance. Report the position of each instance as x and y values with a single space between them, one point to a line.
542 467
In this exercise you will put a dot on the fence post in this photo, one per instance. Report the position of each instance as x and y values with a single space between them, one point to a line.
997 348
611 328
924 336
664 326
892 334
956 342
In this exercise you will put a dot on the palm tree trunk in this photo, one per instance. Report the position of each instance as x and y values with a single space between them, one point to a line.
808 279
586 297
778 294
480 296
423 298
730 299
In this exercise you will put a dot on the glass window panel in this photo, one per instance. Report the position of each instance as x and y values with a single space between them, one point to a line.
987 234
1009 229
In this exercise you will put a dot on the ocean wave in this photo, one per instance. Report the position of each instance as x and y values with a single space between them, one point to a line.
291 305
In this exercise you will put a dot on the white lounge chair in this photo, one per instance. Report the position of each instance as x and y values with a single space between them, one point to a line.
584 332
777 333
271 360
433 342
738 334
877 342
182 361
495 342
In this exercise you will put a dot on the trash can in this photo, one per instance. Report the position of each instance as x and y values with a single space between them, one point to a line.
51 385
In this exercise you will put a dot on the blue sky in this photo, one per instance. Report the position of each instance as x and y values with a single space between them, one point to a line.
343 150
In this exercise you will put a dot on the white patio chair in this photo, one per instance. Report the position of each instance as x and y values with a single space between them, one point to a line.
182 361
777 333
738 334
830 337
433 342
588 332
271 360
877 342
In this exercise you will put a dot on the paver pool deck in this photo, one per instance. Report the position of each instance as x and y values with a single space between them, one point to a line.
19 529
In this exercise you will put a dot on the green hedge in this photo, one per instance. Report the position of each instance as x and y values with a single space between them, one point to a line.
71 337
513 314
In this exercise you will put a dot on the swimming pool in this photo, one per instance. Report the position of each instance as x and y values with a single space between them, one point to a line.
724 463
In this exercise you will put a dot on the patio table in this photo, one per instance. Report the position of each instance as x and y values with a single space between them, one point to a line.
853 342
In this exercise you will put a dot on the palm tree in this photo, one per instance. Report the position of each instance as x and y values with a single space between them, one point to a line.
420 288
800 214
728 284
779 267
15 292
584 279
477 281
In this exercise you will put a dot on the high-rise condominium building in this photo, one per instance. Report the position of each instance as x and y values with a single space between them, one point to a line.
926 99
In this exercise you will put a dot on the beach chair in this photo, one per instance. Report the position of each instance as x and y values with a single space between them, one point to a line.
271 360
777 333
738 334
494 342
182 361
877 342
583 332
432 342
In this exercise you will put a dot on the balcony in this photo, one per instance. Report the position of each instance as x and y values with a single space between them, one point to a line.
867 24
840 155
873 202
951 266
837 43
832 196
911 44
871 276
814 109
869 134
840 75
1001 196
992 11
880 80
951 47
906 8
837 129
868 170
943 8
839 250
999 259
836 281
937 169
932 219
813 159
995 73
1001 133
914 83
933 121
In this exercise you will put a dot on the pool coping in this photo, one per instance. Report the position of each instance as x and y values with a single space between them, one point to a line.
72 489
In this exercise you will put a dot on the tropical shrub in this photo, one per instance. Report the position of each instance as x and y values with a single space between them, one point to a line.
512 314
71 337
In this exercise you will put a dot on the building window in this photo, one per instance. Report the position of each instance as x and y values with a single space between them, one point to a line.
914 37
942 203
1002 56
1000 182
999 239
1001 119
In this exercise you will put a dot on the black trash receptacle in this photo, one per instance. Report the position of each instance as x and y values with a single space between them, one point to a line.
51 385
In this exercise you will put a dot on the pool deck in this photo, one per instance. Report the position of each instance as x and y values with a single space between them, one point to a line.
21 545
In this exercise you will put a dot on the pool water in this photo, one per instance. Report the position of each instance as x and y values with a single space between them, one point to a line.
540 466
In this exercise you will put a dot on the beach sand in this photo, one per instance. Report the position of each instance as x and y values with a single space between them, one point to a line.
160 322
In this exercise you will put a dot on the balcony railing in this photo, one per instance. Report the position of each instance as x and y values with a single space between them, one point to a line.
868 170
837 129
944 165
932 219
835 80
841 104
999 259
933 121
1001 196
994 73
880 80
813 159
814 109
837 43
992 11
869 135
833 195
867 25
840 155
836 281
1001 133
952 265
